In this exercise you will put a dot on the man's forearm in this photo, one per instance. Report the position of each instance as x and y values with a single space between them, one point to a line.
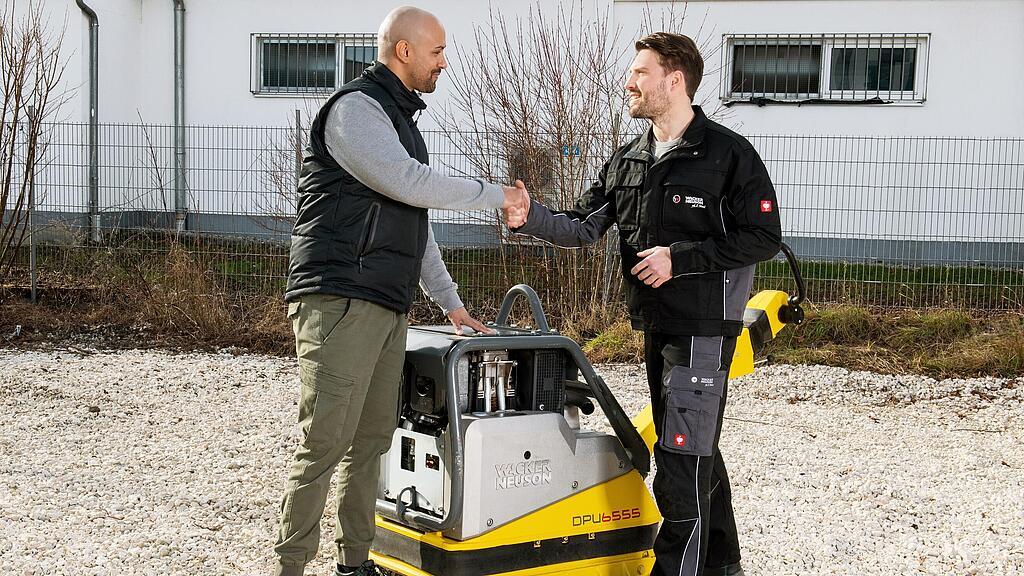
565 229
435 279
741 248
362 139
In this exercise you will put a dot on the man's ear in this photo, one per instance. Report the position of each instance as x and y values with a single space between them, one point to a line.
403 51
679 79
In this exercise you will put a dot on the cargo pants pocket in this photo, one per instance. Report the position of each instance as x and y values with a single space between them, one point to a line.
693 398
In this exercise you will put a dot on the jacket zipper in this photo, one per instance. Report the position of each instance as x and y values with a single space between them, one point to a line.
369 231
677 153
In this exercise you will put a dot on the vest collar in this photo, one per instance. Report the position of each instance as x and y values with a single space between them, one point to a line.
408 101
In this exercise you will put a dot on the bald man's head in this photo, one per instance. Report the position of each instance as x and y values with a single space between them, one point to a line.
411 43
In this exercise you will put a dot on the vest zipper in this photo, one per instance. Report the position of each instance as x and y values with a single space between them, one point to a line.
369 231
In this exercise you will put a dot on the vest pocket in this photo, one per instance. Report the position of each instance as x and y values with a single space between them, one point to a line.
693 398
369 231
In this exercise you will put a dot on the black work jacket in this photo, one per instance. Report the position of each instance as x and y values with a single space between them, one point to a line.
709 199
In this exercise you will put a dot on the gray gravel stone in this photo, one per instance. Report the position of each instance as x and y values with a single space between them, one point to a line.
180 470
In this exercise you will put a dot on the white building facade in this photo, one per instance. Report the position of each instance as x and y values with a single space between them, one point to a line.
892 129
961 59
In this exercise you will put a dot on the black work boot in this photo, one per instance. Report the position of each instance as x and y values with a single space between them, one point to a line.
367 568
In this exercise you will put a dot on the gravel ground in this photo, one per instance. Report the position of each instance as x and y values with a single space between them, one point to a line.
148 462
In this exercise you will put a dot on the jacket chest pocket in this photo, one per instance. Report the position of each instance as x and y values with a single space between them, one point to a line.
626 187
692 210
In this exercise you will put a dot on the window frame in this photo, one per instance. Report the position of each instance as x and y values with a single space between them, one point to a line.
340 41
825 94
780 41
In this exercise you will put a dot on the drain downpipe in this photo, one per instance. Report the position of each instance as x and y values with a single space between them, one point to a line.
94 152
180 197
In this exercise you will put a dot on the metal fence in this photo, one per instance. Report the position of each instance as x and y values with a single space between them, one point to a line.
889 221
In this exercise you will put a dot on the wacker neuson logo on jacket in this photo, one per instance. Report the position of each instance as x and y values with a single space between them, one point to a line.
692 201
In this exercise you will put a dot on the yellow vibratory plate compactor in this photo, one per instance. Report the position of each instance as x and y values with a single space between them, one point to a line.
489 471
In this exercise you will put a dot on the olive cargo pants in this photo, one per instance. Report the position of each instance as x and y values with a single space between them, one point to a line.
350 354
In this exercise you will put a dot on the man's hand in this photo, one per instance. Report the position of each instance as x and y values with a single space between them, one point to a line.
517 205
459 318
656 267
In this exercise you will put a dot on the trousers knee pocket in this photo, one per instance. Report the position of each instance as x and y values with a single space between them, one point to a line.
693 398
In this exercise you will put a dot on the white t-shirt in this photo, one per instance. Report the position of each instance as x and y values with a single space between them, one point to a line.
661 147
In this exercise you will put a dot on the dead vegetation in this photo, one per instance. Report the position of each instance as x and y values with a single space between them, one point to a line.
936 343
185 307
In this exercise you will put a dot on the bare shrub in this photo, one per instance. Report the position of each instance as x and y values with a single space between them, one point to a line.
540 98
32 68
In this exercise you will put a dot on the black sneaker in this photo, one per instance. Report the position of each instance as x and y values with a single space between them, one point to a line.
367 568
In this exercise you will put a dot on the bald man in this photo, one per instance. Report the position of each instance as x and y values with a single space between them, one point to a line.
361 244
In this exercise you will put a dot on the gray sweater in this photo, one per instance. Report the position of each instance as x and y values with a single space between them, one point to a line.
363 141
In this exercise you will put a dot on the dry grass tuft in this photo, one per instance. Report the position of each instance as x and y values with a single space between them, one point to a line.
937 343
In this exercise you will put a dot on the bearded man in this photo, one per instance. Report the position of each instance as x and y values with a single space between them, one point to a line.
696 211
361 245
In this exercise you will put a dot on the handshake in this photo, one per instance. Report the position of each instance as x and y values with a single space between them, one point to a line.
516 207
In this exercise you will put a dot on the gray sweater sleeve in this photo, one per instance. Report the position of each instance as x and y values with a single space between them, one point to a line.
362 139
435 279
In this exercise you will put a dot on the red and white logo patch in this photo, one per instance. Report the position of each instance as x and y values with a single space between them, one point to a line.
766 205
680 440
676 199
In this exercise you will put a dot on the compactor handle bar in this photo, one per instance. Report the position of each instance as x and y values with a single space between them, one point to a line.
793 313
535 307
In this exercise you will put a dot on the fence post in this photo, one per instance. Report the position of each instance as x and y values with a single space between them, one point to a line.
31 210
298 145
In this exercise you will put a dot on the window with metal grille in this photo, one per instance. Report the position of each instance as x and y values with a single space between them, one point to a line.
308 64
873 69
777 69
868 68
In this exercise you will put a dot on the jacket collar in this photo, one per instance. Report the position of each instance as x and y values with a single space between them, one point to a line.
694 133
409 102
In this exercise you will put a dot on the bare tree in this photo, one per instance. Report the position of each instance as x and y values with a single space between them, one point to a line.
278 165
540 97
32 68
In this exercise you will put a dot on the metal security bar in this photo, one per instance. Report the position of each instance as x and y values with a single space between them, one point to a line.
887 221
308 63
837 68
